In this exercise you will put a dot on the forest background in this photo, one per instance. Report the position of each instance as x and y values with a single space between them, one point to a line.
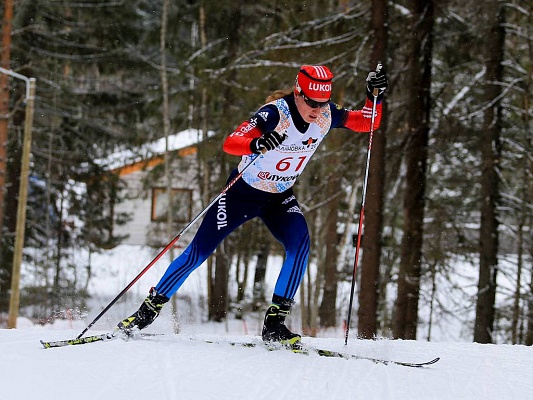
450 173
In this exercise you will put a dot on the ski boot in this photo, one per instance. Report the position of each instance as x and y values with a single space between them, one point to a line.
144 316
274 329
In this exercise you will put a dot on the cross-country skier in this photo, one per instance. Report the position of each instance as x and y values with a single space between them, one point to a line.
284 134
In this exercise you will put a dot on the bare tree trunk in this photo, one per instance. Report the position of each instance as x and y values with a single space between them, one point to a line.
529 332
203 162
367 321
327 309
5 280
166 115
245 249
219 302
260 271
528 341
166 132
518 286
4 101
527 174
491 154
55 298
406 307
218 305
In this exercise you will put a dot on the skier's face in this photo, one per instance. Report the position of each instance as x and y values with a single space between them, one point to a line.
309 107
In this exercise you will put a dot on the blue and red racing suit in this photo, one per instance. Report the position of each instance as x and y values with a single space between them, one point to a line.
265 189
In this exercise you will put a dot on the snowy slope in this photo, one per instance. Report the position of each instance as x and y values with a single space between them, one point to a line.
176 367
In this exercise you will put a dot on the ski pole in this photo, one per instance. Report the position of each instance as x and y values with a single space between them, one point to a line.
375 93
168 246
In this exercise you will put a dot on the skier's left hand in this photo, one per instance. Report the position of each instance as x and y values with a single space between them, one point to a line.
377 83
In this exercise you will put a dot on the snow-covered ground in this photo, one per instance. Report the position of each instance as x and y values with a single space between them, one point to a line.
174 367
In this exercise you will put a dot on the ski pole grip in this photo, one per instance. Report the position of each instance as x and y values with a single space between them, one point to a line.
379 65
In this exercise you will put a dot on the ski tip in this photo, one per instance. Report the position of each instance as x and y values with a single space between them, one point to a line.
421 365
46 345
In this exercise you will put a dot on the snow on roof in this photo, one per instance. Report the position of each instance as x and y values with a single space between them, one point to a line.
149 150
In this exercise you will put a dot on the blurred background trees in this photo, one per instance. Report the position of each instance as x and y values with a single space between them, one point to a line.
450 180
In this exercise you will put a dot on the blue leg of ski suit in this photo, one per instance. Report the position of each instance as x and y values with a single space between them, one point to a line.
280 213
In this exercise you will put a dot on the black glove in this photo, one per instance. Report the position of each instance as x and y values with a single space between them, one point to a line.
376 80
269 141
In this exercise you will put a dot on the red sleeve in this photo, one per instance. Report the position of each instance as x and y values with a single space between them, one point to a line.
360 120
238 143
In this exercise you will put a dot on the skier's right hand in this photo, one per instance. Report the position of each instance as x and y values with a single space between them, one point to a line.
269 141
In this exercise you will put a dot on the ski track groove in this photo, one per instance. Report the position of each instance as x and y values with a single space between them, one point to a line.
169 385
389 389
174 367
236 360
219 359
366 373
471 385
364 370
275 381
112 385
415 389
266 384
500 384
